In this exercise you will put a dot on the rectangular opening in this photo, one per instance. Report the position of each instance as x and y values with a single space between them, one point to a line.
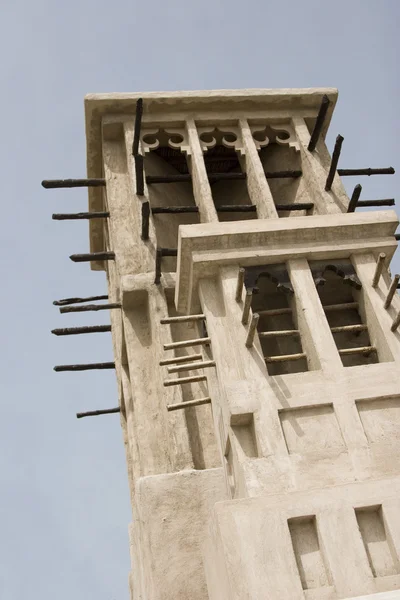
244 431
342 301
221 157
165 160
312 429
379 548
277 327
280 156
312 570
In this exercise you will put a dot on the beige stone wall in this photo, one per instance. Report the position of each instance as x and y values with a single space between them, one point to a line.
284 484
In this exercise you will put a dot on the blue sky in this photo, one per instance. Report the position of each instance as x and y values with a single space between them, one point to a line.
64 497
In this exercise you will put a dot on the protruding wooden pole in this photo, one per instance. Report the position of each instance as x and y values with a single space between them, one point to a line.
363 350
77 216
92 256
65 301
392 291
334 162
278 333
139 171
174 210
84 367
183 380
247 306
95 413
284 357
396 322
89 307
188 343
182 319
239 285
79 330
346 328
379 268
188 404
354 198
72 183
382 202
192 366
252 330
180 359
319 123
138 126
369 172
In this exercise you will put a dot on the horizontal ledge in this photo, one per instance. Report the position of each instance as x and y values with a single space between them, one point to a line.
192 366
77 300
281 333
284 357
95 413
89 307
77 216
188 404
183 380
180 359
85 367
182 319
71 183
362 350
381 202
188 343
368 171
92 256
79 330
344 328
184 177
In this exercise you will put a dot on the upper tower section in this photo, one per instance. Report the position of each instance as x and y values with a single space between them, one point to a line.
211 156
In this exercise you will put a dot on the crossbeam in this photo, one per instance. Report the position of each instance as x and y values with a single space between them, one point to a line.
188 404
90 307
72 183
65 301
78 216
92 256
84 367
95 413
80 330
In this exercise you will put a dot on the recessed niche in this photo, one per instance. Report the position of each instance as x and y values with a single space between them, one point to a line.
380 419
381 555
312 429
310 562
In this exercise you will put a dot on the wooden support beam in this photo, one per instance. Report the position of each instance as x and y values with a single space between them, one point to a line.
188 404
85 367
174 210
397 236
396 322
92 256
345 328
296 206
383 202
138 126
180 359
334 162
90 307
240 284
247 306
79 330
72 183
160 252
378 269
145 220
392 290
278 333
188 343
274 312
236 208
182 319
252 330
354 198
352 172
342 306
192 366
77 216
65 301
139 172
284 357
363 350
183 380
213 177
95 413
319 123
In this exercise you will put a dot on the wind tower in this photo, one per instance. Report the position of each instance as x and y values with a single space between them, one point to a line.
254 323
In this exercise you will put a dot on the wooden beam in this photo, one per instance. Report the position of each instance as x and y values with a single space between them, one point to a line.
95 413
319 123
354 198
334 162
77 216
378 269
79 330
188 343
65 301
180 359
369 172
392 291
252 330
188 404
72 183
90 307
85 367
183 380
182 319
92 256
